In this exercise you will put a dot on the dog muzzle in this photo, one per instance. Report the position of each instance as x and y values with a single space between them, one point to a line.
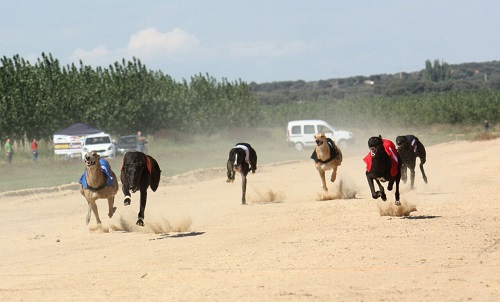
132 184
373 151
89 161
319 142
133 188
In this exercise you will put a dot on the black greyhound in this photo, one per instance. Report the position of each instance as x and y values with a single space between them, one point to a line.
139 171
242 158
409 148
381 162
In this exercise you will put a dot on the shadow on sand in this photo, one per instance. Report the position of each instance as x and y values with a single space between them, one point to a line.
421 217
178 235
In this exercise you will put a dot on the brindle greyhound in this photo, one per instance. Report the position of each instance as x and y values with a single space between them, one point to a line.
383 164
97 184
242 158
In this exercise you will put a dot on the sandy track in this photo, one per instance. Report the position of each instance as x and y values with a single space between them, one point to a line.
200 244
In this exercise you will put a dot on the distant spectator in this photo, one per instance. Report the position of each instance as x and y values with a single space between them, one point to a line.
8 150
34 150
141 142
486 126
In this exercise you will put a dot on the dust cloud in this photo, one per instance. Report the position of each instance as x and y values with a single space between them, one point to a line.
389 208
267 197
340 191
156 225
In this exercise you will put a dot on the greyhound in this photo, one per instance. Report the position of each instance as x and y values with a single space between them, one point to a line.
409 148
327 156
383 164
242 158
98 182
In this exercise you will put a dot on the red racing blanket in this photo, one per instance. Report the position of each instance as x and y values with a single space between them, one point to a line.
390 149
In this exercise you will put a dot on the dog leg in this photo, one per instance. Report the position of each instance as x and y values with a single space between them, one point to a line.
396 194
323 180
412 178
403 173
96 213
87 220
126 192
230 171
334 173
111 209
230 176
382 191
144 196
253 165
243 188
375 195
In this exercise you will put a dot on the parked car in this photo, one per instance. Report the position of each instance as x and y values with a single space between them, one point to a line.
100 143
126 143
300 134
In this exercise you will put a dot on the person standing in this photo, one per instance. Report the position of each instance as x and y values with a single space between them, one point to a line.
486 126
141 142
34 150
8 150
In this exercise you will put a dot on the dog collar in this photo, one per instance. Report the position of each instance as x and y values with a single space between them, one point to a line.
101 186
325 161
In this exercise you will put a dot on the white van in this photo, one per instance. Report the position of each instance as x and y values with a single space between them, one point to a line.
100 143
300 134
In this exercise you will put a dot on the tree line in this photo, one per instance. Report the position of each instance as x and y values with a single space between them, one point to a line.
38 99
469 108
437 77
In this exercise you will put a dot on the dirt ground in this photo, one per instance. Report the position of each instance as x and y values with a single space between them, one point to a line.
289 243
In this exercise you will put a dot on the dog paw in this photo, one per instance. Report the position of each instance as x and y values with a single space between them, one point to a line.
334 177
112 212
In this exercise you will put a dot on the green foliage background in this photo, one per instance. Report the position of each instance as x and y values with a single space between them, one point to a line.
38 99
406 111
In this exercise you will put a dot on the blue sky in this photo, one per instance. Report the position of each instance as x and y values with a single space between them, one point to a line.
256 41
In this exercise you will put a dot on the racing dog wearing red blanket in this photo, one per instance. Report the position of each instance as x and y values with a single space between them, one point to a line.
139 171
383 164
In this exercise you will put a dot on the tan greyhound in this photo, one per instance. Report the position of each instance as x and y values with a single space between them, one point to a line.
95 184
327 156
